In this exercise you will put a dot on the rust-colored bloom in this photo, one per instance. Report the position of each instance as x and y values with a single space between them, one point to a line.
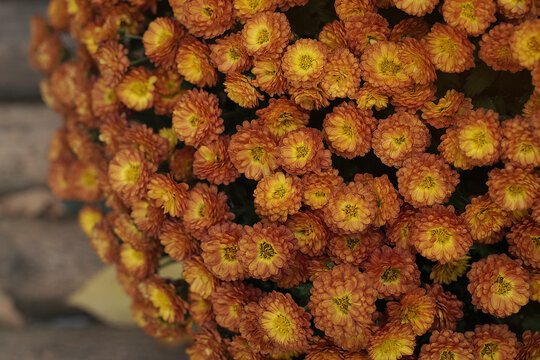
317 186
349 8
266 34
446 111
495 48
207 345
104 242
399 229
498 285
229 300
245 9
485 217
415 307
302 150
531 346
388 200
333 35
441 235
281 116
137 263
242 90
363 31
177 243
211 162
147 217
278 196
170 307
168 91
161 40
181 164
368 97
449 48
136 90
493 341
309 98
207 18
449 308
447 344
229 54
473 16
341 75
524 241
112 61
304 61
513 188
446 273
416 8
354 248
310 232
240 349
264 250
269 76
127 231
342 301
520 146
129 173
525 43
168 194
392 342
193 62
199 278
200 310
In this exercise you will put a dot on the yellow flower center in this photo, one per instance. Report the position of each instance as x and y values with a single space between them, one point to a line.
515 190
526 148
89 179
347 131
232 53
441 235
200 210
139 88
132 258
399 140
389 67
263 36
467 11
161 301
305 62
208 11
504 52
342 303
266 250
320 194
229 252
351 243
282 324
301 151
479 138
533 44
405 231
447 45
536 241
503 286
390 275
254 4
428 182
110 96
280 192
447 355
132 172
350 210
489 350
257 153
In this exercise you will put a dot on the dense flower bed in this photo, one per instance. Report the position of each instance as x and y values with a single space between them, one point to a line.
348 180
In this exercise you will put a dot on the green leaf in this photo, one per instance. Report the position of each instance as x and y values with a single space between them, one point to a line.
478 80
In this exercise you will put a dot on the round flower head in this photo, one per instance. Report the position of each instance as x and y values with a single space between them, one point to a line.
498 285
441 235
277 196
446 344
245 9
178 244
253 150
161 41
242 90
317 186
363 31
512 9
368 97
349 8
128 174
449 48
416 8
525 43
112 61
534 281
207 345
104 242
531 346
276 323
398 230
282 116
393 271
170 307
443 113
153 146
524 241
136 90
219 247
495 48
205 207
348 130
302 150
383 67
104 98
89 216
341 75
304 61
196 118
485 217
342 301
313 98
399 137
310 233
479 136
449 308
473 16
414 97
415 27
229 54
200 310
293 274
207 18
450 151
168 91
388 200
211 162
228 301
322 349
239 348
264 250
416 307
269 76
425 179
493 342
200 279
266 34
168 194
333 35
193 62
513 188
392 342
125 229
85 180
416 62
354 248
449 272
181 164
350 209
519 144
139 264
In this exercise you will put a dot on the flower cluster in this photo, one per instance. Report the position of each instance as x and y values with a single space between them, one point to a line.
348 179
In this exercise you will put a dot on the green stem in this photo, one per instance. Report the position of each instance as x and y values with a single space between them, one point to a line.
138 61
134 37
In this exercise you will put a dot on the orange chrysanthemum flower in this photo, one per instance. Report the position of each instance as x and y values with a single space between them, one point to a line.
196 118
498 285
229 300
229 54
245 9
531 346
269 76
416 8
193 62
242 90
485 217
104 242
414 27
322 349
443 114
398 230
127 231
310 232
181 164
111 60
304 61
495 48
282 116
417 63
200 279
449 272
211 162
524 241
513 188
162 295
89 216
139 264
368 97
473 16
519 144
177 243
414 97
333 35
354 248
351 208
358 342
302 150
278 196
253 150
129 173
153 146
392 342
416 307
341 75
349 8
161 41
450 151
449 48
168 194
342 301
168 91
525 43
239 348
393 271
312 98
447 344
136 90
200 310
219 247
441 235
316 187
425 179
264 250
399 137
449 308
207 18
388 200
295 273
348 130
104 98
363 31
493 342
266 34
207 345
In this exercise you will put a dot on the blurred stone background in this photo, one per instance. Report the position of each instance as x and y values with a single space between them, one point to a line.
44 257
